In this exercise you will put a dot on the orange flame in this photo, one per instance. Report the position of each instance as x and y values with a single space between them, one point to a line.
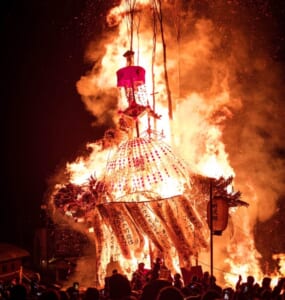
196 132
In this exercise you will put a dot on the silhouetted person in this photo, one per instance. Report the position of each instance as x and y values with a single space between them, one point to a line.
119 286
279 290
246 290
165 273
228 294
177 281
195 284
211 295
73 291
91 294
194 288
205 281
18 292
156 268
170 293
265 290
151 289
139 277
214 287
50 294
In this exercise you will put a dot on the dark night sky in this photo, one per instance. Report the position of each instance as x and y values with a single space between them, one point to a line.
44 122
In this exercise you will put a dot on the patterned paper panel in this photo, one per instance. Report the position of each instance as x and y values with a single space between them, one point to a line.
142 165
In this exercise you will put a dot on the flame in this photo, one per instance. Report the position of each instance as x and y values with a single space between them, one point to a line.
281 258
81 169
196 131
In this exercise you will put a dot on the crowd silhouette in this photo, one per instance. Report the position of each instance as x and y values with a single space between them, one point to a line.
156 283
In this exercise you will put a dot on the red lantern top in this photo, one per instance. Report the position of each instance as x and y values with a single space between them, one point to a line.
130 76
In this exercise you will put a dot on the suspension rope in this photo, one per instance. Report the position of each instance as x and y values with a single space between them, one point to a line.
131 9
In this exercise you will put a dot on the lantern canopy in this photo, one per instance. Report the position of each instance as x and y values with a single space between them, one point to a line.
130 76
219 213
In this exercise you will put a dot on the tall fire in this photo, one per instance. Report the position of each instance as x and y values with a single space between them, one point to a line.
143 190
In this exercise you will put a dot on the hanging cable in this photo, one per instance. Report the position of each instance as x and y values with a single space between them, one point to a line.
218 269
131 9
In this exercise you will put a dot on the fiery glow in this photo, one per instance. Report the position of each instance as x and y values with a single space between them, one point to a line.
127 169
80 170
281 258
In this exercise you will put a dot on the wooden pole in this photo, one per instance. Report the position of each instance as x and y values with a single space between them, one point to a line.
211 230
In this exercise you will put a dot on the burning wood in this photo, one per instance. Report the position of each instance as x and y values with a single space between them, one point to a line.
146 201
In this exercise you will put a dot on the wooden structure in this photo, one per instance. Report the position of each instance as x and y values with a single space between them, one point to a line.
11 261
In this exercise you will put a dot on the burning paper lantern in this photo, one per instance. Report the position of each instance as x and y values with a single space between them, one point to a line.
219 213
130 76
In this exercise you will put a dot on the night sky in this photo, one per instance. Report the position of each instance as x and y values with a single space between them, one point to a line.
44 122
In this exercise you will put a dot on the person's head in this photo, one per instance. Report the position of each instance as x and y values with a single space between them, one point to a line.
141 266
18 292
50 294
211 295
177 276
170 293
266 281
250 280
91 294
119 286
206 274
158 260
114 272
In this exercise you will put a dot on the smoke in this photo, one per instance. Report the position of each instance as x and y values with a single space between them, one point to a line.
241 58
254 136
226 90
228 82
85 270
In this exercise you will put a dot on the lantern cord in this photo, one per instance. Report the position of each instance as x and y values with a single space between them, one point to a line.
131 8
133 24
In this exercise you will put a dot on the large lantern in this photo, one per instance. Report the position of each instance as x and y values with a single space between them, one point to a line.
131 82
219 213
